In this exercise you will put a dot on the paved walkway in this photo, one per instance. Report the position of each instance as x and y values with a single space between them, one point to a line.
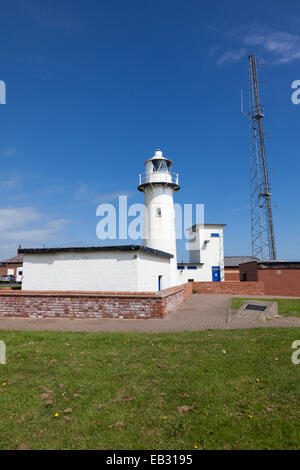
199 312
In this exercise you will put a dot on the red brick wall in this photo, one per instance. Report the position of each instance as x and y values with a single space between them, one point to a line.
141 304
188 289
248 271
232 274
284 282
90 305
230 287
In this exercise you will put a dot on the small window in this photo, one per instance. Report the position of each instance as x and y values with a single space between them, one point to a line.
20 273
158 211
192 267
190 280
180 267
215 235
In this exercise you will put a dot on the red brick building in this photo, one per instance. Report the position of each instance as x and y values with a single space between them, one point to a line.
12 266
231 266
279 277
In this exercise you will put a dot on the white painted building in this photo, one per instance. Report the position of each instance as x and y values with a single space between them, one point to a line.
206 250
146 268
121 268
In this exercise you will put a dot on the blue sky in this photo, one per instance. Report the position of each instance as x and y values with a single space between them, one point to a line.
93 87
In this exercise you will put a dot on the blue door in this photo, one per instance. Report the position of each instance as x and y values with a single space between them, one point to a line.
216 274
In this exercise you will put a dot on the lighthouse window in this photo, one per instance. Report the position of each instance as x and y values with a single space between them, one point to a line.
158 212
161 165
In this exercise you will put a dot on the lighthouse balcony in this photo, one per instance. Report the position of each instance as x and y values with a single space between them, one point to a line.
170 179
158 177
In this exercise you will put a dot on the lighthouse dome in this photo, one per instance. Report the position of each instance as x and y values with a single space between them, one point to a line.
158 162
158 170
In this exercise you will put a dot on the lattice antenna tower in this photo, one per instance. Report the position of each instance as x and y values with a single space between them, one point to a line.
262 230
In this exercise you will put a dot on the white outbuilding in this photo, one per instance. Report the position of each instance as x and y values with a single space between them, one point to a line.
129 268
206 250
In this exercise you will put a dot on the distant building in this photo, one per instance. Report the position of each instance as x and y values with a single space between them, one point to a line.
282 277
231 266
13 266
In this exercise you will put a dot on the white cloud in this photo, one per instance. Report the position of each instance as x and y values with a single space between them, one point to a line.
283 47
83 192
44 16
12 182
279 47
12 218
25 225
231 55
39 235
106 197
90 195
9 152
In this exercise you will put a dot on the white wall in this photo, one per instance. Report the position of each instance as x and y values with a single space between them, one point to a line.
149 268
207 250
198 275
94 271
159 231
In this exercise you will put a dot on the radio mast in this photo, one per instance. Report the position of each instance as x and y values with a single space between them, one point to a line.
262 230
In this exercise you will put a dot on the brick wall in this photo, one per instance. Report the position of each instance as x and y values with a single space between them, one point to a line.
248 271
278 279
284 282
230 287
135 305
188 289
232 274
90 305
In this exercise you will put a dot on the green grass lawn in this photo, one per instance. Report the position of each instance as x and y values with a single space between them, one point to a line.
290 307
126 390
13 286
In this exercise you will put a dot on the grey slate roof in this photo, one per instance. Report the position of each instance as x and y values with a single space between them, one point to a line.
278 264
14 260
235 261
76 249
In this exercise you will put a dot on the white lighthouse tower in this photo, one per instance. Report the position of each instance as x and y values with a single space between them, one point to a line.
159 184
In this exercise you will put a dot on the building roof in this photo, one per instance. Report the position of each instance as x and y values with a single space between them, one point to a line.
206 225
235 261
277 264
77 249
158 155
14 260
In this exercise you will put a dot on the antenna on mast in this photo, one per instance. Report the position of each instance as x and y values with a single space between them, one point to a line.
242 104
